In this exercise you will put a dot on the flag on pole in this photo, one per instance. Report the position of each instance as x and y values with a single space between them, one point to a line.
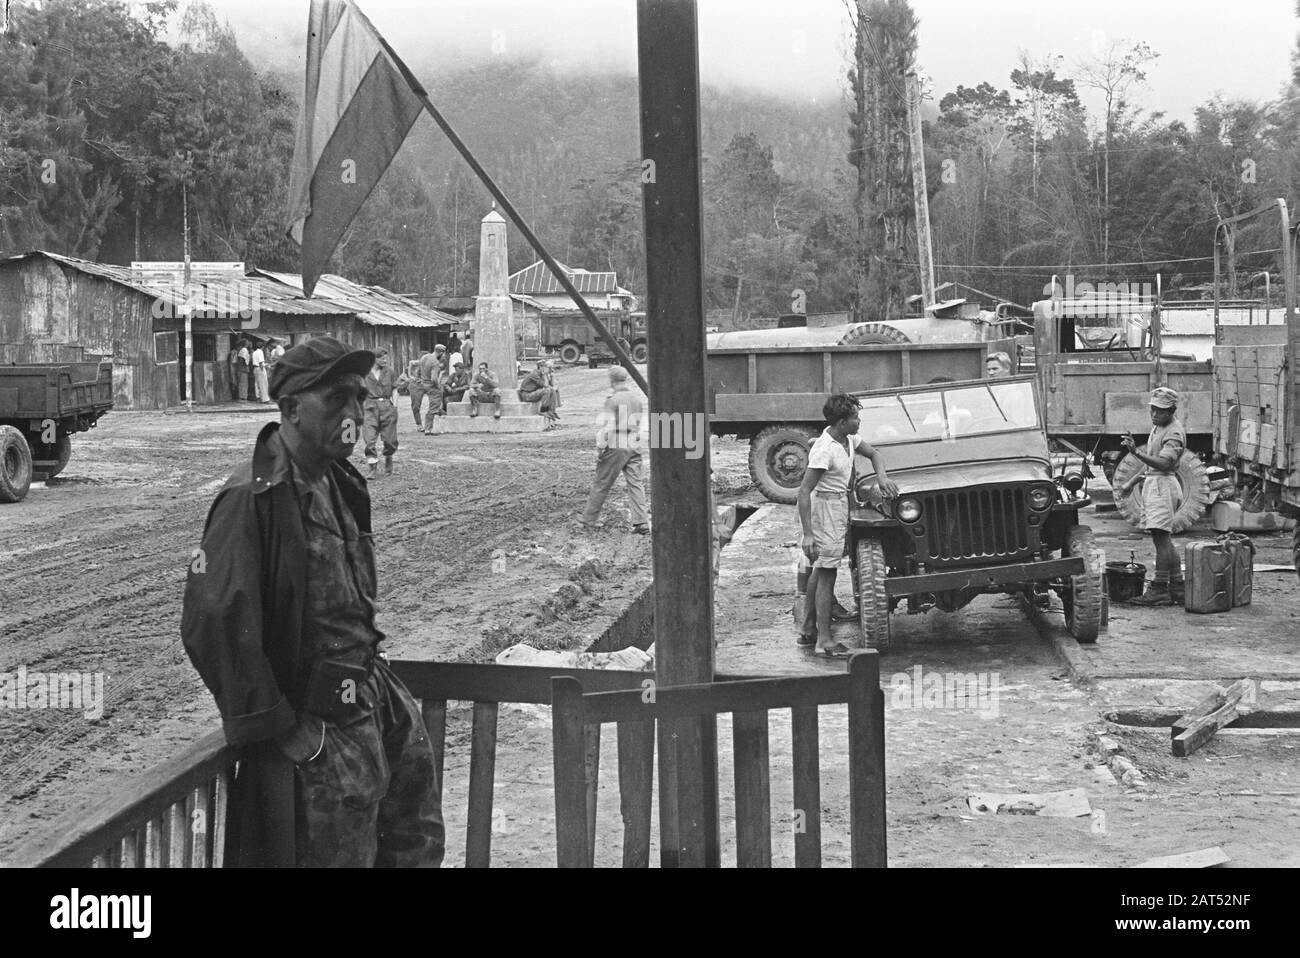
357 108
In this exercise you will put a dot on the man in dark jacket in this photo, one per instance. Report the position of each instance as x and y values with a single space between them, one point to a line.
336 766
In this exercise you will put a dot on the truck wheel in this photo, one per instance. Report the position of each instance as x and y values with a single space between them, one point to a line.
778 457
570 353
62 453
865 334
15 465
873 603
1085 594
1191 477
640 352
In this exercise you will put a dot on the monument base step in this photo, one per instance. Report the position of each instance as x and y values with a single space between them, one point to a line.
508 408
484 422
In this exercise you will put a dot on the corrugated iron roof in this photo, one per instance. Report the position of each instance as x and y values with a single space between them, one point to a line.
225 291
373 305
538 280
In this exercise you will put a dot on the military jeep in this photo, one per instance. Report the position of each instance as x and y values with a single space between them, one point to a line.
979 509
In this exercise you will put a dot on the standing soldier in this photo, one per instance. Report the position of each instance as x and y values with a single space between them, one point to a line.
415 387
242 371
380 413
618 450
1161 494
432 374
259 375
467 351
335 768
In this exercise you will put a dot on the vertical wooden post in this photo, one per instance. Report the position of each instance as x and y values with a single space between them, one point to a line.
924 248
668 61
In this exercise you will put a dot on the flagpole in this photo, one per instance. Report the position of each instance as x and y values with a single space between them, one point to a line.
418 89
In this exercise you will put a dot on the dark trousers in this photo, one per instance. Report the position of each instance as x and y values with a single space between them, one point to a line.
371 796
379 419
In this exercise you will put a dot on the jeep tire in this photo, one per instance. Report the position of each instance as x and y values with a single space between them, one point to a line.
778 458
15 465
1085 593
873 603
869 334
570 353
1191 477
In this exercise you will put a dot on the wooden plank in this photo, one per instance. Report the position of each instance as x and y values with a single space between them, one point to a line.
807 787
435 723
635 784
744 696
828 373
1202 730
1204 858
482 781
1212 703
753 790
220 812
129 851
568 728
153 843
906 368
751 364
866 762
201 827
468 682
591 768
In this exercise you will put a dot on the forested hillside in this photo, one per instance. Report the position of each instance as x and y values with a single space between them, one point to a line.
102 121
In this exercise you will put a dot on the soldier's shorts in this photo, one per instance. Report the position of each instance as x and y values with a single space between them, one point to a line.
379 418
371 797
1161 498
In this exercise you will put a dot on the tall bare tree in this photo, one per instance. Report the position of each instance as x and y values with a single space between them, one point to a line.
1112 73
884 53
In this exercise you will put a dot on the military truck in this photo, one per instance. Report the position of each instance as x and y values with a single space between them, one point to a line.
567 332
769 386
979 509
1097 359
1256 412
41 406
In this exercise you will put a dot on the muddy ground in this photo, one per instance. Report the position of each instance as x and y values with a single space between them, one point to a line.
475 543
477 549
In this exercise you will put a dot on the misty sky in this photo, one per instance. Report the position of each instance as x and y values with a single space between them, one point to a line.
797 48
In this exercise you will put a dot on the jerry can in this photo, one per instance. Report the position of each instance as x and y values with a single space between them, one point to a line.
1208 571
1242 550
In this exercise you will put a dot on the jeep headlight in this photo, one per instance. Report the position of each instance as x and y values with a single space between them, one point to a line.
908 510
1040 497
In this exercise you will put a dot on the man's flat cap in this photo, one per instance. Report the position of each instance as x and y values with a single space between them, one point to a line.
318 361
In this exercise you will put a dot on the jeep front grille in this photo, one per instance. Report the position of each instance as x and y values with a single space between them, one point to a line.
976 524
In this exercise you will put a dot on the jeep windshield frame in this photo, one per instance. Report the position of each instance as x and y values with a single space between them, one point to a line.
943 412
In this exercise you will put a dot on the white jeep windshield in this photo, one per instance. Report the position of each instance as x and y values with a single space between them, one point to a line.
949 413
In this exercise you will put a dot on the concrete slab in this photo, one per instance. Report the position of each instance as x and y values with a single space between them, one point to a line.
485 423
507 408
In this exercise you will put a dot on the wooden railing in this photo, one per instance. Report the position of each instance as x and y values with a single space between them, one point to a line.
577 712
176 814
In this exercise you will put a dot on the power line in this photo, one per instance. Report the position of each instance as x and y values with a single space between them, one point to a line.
1060 267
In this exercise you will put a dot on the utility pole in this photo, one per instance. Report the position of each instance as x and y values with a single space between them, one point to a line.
186 308
925 250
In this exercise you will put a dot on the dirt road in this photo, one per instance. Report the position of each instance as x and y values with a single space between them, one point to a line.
476 550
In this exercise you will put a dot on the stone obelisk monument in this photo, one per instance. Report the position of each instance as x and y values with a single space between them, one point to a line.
494 341
494 320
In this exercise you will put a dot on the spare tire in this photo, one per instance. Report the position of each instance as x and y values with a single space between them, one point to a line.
867 334
15 465
778 458
1191 477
